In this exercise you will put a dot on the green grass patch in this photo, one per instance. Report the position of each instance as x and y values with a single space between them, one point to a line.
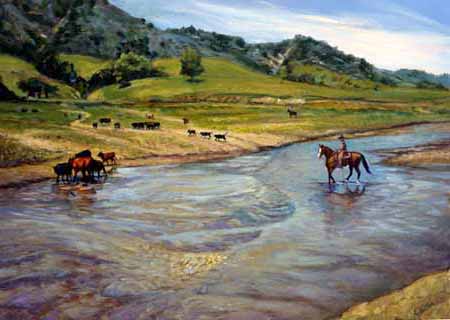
86 66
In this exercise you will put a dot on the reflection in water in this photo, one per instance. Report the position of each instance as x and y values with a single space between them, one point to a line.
259 236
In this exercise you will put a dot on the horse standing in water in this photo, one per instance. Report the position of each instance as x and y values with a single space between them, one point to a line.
332 162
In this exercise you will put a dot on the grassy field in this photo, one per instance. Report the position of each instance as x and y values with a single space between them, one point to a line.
13 69
55 132
223 77
84 65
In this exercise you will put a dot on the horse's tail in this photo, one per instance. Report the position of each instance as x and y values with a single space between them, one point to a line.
365 164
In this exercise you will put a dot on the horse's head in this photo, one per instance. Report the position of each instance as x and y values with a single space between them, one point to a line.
320 152
100 154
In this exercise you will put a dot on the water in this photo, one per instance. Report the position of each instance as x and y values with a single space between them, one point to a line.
256 237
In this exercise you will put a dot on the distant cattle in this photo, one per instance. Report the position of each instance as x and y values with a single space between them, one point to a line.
108 157
292 113
185 121
34 110
63 171
191 132
80 116
95 125
105 120
150 116
220 137
138 125
152 125
206 135
117 125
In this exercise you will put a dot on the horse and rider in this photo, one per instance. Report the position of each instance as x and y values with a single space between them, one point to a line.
341 159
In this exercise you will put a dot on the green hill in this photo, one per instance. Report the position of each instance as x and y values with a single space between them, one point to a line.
85 66
223 77
13 69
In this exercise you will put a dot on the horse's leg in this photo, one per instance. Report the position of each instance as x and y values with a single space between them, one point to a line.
359 174
330 176
75 174
350 174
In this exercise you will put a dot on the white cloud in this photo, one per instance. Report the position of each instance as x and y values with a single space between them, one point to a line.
263 21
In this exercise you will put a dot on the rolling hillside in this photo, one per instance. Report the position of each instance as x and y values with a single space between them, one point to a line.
85 66
223 77
13 69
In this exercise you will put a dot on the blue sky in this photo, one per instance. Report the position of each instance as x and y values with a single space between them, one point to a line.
390 34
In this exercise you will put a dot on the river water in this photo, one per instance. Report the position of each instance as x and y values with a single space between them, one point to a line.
256 237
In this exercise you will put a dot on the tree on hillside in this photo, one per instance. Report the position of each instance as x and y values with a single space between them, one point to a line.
131 66
191 63
35 87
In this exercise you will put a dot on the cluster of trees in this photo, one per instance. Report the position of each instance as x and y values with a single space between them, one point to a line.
35 87
130 66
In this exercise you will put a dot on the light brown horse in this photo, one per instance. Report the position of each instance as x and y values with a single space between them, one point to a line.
332 162
83 164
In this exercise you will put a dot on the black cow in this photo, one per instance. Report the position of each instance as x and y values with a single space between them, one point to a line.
205 134
191 132
84 154
105 120
95 125
63 170
98 167
117 125
221 137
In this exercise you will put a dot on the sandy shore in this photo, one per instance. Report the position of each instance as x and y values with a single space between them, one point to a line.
20 176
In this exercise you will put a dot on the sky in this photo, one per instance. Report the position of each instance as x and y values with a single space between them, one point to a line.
412 34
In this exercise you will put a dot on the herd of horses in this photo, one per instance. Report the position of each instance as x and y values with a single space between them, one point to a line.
88 166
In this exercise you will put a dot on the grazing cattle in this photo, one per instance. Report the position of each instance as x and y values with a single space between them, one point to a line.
117 125
34 110
191 132
97 167
185 121
80 116
221 137
206 135
95 125
292 113
138 125
83 164
152 125
63 170
24 110
150 116
105 120
66 115
107 157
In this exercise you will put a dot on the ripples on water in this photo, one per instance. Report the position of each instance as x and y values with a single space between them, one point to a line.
255 236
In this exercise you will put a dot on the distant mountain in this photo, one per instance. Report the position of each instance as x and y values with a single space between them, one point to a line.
97 28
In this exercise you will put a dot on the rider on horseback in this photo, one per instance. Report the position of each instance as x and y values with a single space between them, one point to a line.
342 152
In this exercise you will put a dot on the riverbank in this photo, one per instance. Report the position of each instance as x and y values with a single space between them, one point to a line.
243 144
427 298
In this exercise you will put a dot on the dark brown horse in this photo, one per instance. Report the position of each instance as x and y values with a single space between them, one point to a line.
83 164
353 161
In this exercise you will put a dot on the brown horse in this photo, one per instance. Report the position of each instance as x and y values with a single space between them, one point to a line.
83 164
332 162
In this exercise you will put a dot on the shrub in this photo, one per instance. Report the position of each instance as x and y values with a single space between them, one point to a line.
131 66
191 63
